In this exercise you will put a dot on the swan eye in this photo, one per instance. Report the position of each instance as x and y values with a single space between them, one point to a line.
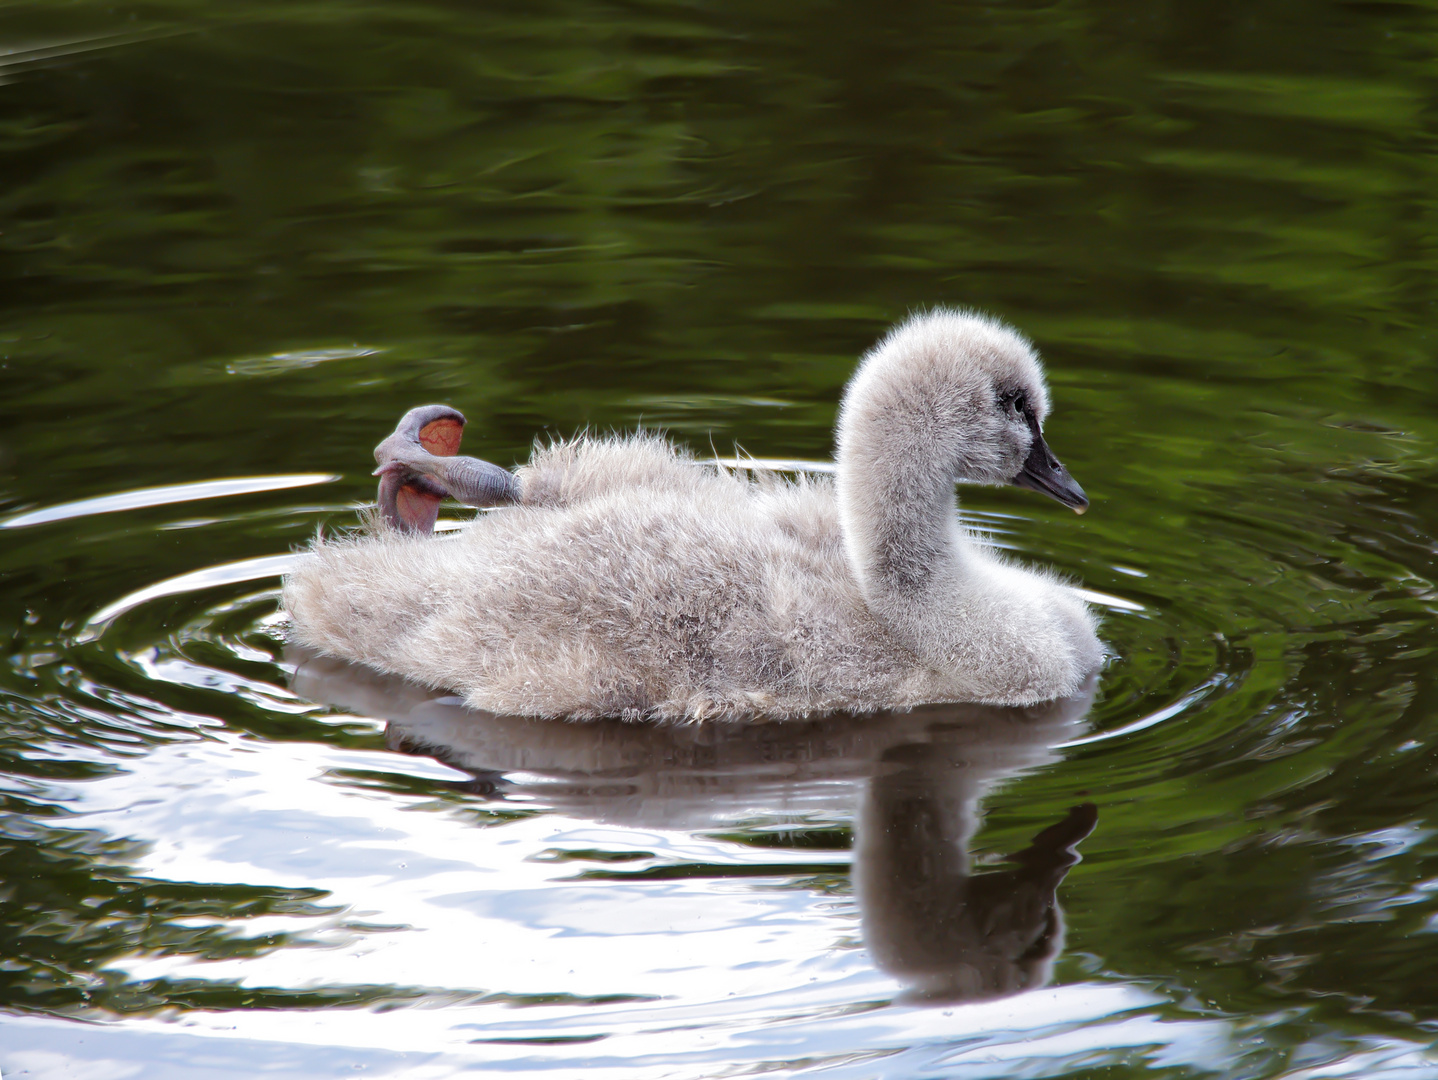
1017 401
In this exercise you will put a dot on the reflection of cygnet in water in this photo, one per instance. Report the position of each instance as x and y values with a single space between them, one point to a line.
918 778
928 921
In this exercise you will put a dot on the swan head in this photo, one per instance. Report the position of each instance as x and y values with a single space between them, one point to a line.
948 395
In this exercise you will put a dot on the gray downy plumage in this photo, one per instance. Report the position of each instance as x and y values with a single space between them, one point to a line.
622 578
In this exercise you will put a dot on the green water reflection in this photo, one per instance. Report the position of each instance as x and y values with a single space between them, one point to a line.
240 239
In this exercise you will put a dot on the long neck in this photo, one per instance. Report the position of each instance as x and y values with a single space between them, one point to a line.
901 532
896 499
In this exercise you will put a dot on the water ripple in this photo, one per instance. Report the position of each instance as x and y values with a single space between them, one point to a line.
164 496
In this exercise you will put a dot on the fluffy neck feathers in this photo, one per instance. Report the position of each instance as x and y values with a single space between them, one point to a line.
920 412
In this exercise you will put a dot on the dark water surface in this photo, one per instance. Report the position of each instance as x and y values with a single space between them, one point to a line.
238 239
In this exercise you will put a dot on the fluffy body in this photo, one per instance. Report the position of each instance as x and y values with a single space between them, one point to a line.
630 580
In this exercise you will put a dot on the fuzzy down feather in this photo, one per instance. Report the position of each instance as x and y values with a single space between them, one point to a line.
631 581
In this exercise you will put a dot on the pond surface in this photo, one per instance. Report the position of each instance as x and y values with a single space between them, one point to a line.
238 240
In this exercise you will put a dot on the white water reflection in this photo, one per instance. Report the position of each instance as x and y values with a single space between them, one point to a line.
209 577
1143 723
164 496
282 363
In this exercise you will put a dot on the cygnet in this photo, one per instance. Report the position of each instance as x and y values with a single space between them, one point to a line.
619 577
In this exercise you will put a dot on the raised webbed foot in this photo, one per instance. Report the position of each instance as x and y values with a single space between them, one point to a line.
419 466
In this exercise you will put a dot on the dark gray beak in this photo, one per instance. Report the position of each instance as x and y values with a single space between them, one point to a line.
1044 472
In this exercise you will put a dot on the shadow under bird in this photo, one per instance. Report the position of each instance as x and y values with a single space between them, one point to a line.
621 578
